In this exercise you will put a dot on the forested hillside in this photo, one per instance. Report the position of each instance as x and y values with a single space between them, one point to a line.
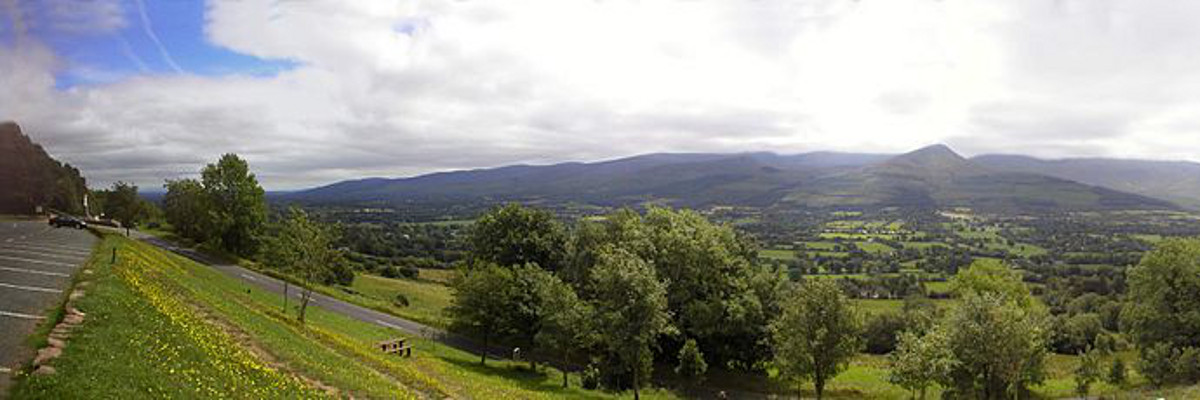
31 177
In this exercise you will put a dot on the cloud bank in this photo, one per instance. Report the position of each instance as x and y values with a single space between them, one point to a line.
392 88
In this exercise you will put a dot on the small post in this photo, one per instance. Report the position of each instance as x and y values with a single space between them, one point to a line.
114 256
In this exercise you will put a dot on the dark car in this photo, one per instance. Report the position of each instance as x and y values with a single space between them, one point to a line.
67 221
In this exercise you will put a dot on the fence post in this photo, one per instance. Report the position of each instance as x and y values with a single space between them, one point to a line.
114 256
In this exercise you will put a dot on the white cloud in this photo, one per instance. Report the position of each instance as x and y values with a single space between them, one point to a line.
399 87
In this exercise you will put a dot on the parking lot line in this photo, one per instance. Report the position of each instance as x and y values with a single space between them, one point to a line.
51 246
29 288
35 272
20 315
54 263
34 253
80 253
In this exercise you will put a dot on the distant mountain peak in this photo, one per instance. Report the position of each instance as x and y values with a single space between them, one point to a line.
935 151
935 161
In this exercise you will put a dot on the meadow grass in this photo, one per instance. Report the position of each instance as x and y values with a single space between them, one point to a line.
138 340
777 254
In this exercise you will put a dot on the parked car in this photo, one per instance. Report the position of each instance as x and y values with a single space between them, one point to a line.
68 222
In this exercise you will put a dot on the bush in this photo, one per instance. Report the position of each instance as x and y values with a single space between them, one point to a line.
409 272
590 377
691 362
881 332
398 271
1116 373
401 300
1187 366
1155 363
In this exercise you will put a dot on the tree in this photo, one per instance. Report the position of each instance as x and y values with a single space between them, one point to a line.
123 204
1087 373
531 304
566 325
237 205
817 334
1077 333
921 360
992 276
481 302
1163 320
514 235
1157 363
631 312
716 295
186 209
997 333
998 346
305 249
691 362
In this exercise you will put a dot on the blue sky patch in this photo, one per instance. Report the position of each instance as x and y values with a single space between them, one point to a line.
168 39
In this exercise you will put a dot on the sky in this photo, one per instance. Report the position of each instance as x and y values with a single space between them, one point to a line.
315 91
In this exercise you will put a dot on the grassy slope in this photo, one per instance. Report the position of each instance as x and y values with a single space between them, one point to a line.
176 354
240 326
426 298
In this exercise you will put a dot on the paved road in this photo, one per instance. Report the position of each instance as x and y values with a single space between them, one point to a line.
407 327
36 265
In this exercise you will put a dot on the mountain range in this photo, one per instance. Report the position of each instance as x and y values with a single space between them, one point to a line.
933 176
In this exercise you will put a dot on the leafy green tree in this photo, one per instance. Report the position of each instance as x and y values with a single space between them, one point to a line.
817 335
631 312
303 248
1087 372
481 303
998 333
1163 320
716 295
1077 333
567 323
514 235
123 204
992 276
921 361
1156 362
532 304
691 362
186 209
998 346
237 204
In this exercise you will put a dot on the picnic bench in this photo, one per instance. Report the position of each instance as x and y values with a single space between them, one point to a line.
398 346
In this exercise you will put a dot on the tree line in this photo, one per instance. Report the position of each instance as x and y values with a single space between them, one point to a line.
613 297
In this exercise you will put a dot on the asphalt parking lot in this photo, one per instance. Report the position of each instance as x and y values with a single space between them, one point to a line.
36 265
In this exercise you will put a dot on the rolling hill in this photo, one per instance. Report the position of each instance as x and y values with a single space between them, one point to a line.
1176 181
29 177
934 176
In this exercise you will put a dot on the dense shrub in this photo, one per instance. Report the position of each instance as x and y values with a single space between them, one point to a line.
691 362
401 300
881 332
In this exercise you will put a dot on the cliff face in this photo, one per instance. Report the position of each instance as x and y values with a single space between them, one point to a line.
29 177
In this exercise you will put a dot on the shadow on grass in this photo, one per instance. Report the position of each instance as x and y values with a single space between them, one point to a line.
541 381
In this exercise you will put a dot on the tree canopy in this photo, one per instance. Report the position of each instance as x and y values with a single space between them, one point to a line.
237 204
1164 321
513 235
